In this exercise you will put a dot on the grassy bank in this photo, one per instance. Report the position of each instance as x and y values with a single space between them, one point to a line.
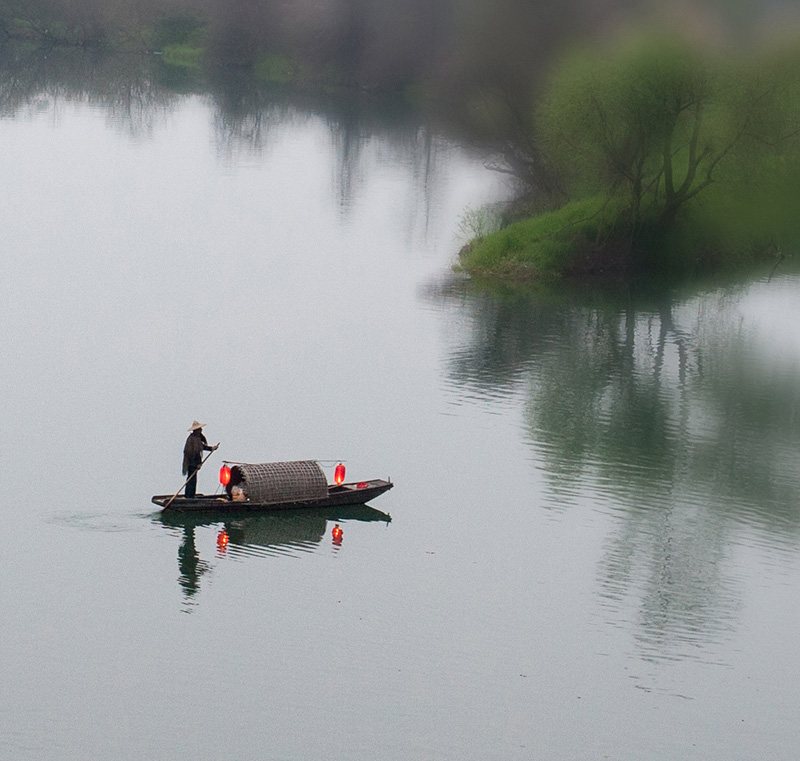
676 160
591 239
544 247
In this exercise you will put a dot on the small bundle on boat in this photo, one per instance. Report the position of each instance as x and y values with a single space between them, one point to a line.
278 482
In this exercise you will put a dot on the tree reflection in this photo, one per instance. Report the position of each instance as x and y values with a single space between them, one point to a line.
138 94
244 114
249 116
124 86
673 415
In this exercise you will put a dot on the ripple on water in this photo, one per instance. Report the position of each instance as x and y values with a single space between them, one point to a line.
103 522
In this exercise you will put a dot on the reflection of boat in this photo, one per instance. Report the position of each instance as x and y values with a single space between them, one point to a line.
245 533
209 517
278 486
267 531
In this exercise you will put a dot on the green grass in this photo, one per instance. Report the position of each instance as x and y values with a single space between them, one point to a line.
590 240
275 68
183 54
279 69
543 247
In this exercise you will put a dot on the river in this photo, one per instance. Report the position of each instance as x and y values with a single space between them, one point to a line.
591 547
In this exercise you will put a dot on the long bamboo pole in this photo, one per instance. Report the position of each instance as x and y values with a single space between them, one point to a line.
194 472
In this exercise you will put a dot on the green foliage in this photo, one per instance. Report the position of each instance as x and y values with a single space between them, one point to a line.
543 247
665 122
642 118
275 68
281 69
183 55
178 30
478 223
181 39
694 158
761 184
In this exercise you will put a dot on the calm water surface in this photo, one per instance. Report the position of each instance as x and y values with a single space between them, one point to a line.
591 550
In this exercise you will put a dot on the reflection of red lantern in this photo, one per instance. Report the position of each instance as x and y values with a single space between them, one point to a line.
222 540
224 475
338 473
362 485
337 534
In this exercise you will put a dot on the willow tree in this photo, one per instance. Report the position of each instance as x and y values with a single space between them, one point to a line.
654 121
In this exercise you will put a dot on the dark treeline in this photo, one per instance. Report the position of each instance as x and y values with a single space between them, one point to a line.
374 44
454 47
479 64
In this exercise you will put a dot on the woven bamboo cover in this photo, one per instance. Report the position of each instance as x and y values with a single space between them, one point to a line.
273 482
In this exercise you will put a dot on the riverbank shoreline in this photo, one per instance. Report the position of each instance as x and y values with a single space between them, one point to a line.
590 242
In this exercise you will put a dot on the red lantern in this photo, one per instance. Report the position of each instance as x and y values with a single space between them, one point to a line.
224 475
338 473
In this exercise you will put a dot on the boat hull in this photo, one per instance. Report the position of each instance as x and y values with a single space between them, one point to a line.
338 495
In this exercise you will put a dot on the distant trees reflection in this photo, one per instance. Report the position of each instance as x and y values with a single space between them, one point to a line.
679 417
138 94
125 86
648 398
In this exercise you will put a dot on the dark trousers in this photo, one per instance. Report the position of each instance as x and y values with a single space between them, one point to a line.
191 484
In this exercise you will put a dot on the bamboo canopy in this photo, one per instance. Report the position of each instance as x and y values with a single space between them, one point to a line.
276 482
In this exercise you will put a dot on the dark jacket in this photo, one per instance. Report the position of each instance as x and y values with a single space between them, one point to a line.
193 451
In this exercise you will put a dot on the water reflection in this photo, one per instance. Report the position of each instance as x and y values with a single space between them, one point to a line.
675 417
123 86
244 535
190 564
138 94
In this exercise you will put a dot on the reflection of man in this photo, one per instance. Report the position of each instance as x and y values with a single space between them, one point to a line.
193 450
191 566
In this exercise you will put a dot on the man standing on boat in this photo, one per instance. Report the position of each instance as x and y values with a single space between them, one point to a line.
193 450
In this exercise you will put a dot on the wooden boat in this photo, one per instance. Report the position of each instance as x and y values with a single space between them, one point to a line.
338 495
277 486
